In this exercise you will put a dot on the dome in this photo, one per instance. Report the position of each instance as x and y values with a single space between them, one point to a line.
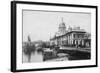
62 25
62 29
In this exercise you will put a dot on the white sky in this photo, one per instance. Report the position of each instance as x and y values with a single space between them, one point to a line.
40 25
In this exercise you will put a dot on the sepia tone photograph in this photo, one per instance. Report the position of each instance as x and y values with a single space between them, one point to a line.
50 36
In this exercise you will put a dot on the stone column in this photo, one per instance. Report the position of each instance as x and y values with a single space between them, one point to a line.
82 42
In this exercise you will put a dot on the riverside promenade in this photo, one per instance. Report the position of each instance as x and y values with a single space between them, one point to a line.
87 50
68 53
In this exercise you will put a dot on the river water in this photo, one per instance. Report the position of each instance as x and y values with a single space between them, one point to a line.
38 57
35 57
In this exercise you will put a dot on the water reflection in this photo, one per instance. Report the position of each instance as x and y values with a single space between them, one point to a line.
36 56
39 56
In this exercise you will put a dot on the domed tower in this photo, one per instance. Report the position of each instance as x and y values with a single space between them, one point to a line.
62 27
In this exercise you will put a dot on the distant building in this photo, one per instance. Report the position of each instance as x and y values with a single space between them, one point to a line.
71 36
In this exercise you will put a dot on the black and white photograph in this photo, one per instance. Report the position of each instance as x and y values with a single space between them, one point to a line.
47 36
56 36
